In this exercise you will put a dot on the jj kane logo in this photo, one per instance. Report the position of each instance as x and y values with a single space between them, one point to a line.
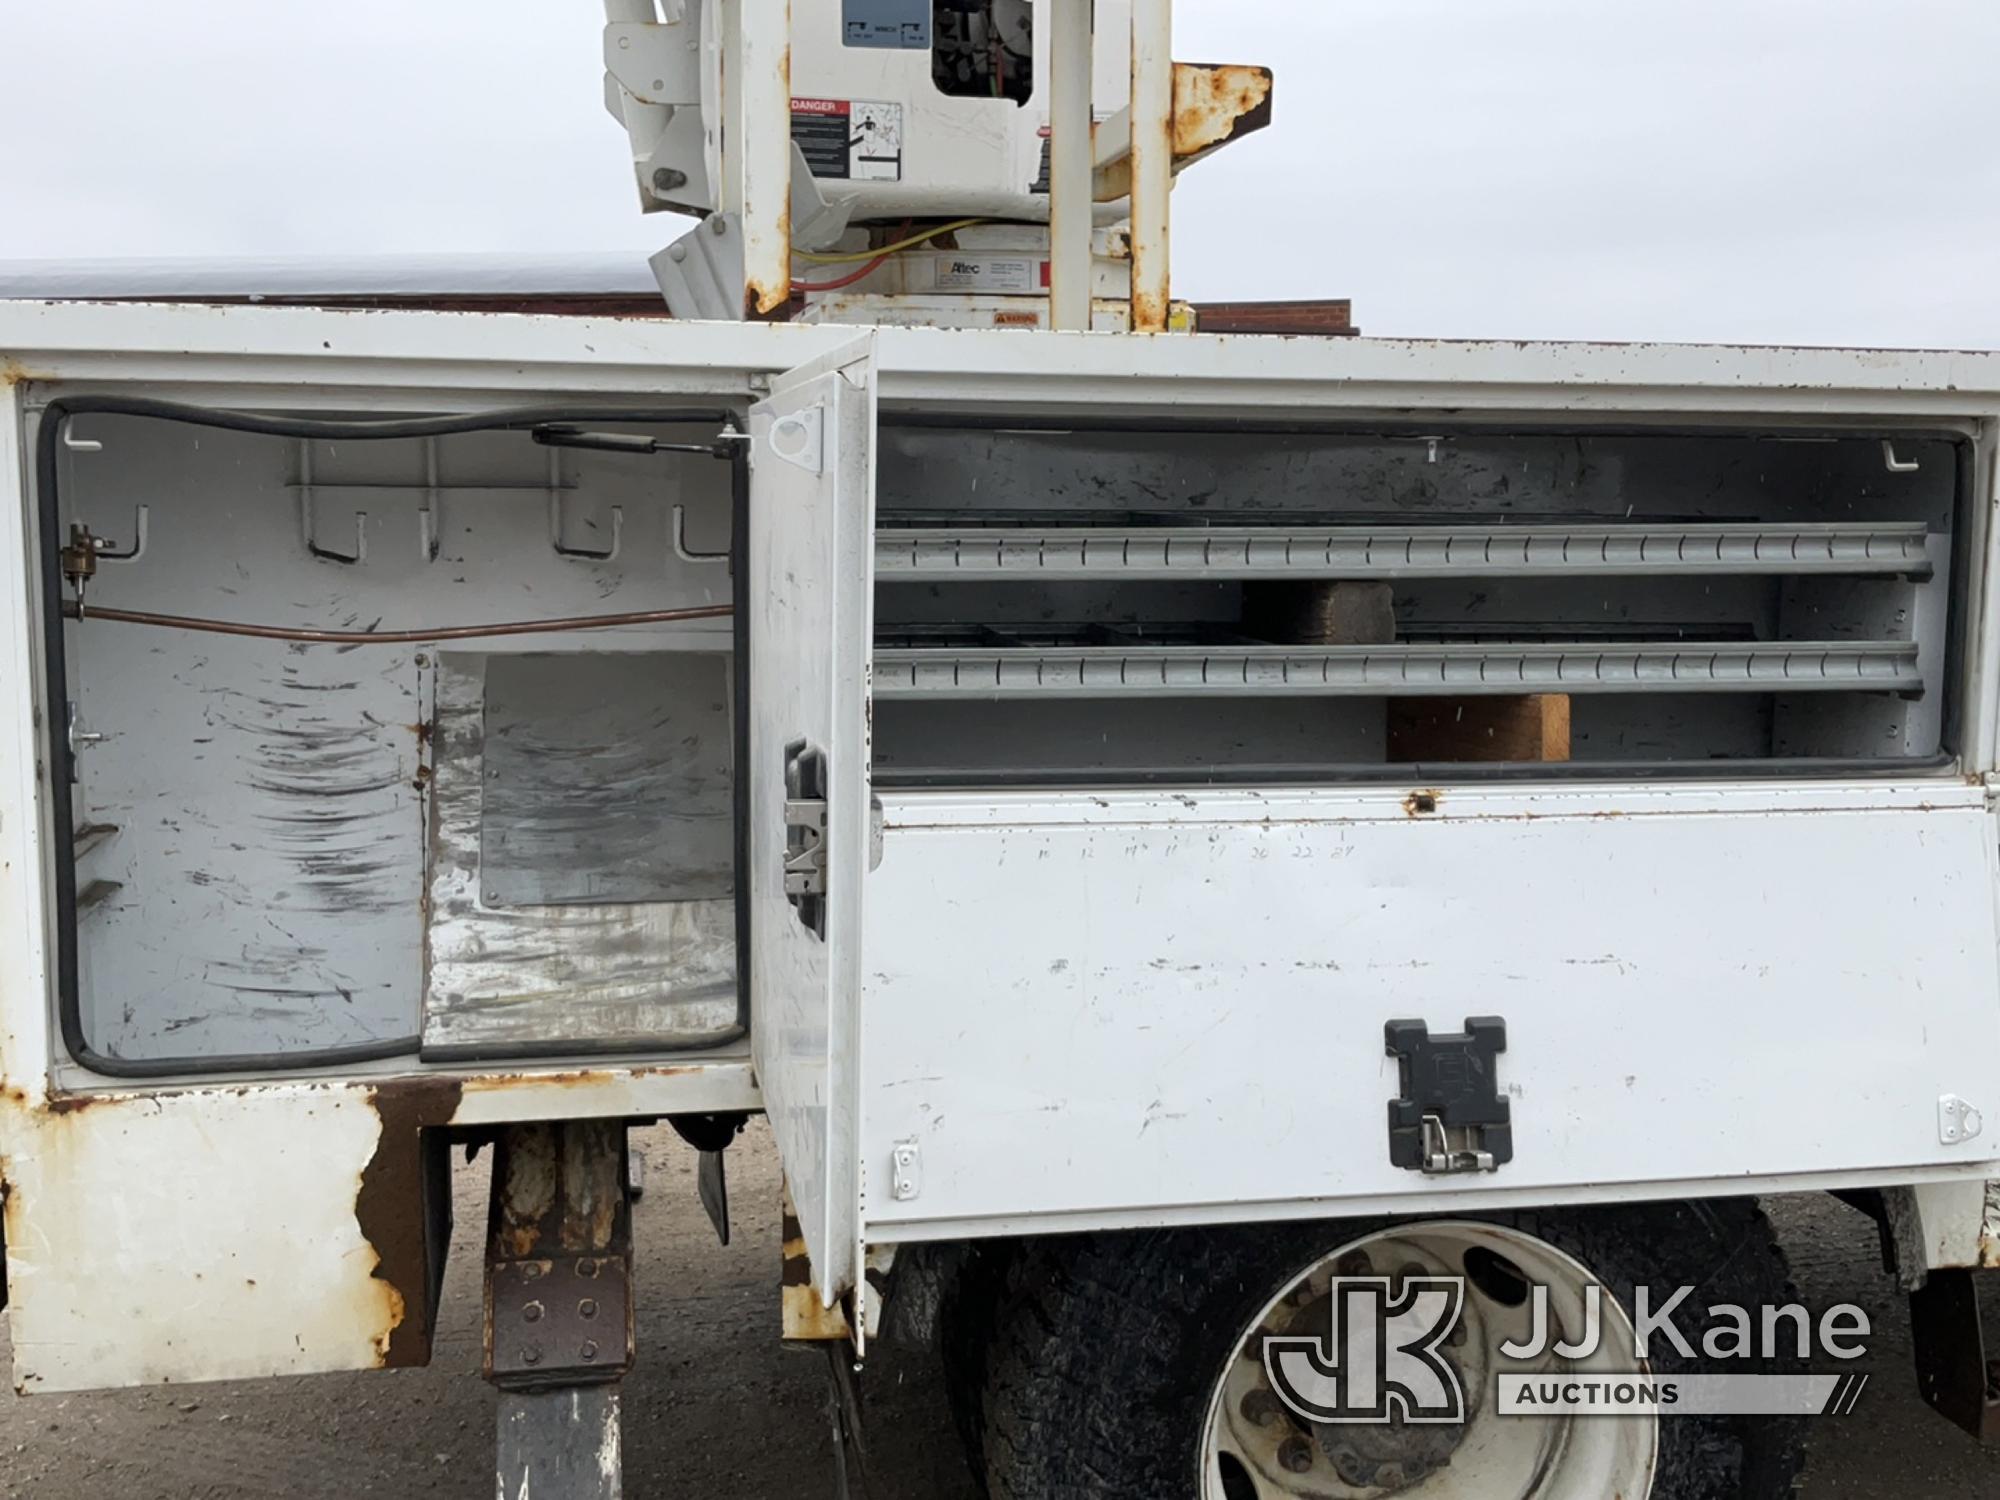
1381 1363
1383 1359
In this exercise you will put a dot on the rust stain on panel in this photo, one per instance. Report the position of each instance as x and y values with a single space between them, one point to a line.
1213 103
525 1195
1149 312
803 1317
390 1209
574 1078
370 1304
761 301
1421 803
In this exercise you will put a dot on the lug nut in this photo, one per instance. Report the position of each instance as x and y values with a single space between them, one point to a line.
1295 1455
1260 1408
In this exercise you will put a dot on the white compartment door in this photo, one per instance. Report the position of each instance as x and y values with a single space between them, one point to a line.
812 523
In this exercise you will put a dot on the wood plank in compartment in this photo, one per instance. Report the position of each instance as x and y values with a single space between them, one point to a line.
1531 727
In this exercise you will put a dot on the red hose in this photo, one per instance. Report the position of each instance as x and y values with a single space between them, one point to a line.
848 280
853 276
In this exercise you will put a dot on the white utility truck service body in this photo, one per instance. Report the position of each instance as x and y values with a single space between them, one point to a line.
1081 1007
1179 831
1043 977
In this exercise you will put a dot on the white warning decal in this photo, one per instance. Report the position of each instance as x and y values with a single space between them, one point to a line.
859 139
966 272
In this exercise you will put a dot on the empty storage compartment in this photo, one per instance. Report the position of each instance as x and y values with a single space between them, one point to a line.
492 815
1096 605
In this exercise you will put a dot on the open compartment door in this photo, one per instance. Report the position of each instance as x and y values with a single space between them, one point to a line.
811 616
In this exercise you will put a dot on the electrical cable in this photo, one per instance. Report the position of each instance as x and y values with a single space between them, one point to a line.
840 281
890 249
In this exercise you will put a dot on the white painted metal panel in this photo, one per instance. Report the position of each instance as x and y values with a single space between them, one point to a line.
812 502
202 1236
1108 1004
219 1233
1833 869
25 944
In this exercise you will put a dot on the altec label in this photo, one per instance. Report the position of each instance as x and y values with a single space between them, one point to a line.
964 271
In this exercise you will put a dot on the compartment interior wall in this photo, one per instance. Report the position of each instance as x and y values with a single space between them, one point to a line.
261 869
936 477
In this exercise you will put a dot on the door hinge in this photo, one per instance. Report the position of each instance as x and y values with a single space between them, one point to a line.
1958 1121
907 1178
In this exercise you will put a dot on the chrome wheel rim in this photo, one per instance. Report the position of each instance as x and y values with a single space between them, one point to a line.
1256 1448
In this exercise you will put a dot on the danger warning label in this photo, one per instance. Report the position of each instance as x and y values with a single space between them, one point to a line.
859 139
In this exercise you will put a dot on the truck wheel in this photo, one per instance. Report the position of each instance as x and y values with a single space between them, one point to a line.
1131 1365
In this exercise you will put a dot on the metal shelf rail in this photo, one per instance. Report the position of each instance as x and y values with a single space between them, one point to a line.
926 554
1059 671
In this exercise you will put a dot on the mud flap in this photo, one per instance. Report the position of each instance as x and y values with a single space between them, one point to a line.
1953 1371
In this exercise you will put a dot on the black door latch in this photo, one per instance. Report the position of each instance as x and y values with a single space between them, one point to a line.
1451 1116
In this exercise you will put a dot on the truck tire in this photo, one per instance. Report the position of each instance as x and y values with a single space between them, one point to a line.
1098 1365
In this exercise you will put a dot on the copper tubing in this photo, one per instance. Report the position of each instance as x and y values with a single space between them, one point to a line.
72 610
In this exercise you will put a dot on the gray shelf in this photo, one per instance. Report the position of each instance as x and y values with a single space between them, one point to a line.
1395 670
921 554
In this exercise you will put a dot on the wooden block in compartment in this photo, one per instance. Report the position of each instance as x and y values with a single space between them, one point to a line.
1533 727
1321 612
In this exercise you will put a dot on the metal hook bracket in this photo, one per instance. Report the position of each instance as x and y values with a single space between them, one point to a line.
686 553
309 531
429 522
106 553
1897 465
76 444
577 554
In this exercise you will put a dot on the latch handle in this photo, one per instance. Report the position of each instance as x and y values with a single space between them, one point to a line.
805 834
1451 1115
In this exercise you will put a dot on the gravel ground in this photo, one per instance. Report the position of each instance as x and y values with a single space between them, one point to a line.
718 1408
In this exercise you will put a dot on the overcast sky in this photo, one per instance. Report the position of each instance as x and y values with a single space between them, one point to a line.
1812 171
